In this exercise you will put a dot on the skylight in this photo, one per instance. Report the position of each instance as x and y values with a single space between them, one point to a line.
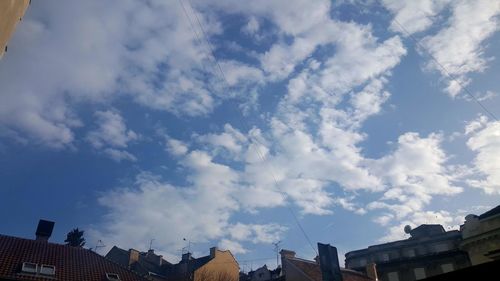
29 267
47 270
112 276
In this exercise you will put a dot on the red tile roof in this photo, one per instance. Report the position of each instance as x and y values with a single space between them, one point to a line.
71 263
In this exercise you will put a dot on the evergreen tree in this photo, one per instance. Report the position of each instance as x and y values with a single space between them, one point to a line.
75 238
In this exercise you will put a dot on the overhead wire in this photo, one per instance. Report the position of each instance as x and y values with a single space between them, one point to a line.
445 70
257 150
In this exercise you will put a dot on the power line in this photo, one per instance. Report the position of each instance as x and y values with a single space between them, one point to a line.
212 52
444 70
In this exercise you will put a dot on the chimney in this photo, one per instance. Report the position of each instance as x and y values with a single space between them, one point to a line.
44 230
213 252
154 258
133 256
329 263
186 256
371 271
287 253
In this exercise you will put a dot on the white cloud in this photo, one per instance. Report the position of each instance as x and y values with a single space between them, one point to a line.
111 131
414 16
458 47
474 125
484 140
310 153
83 54
348 204
176 147
231 139
446 219
257 233
252 26
233 246
119 155
414 173
201 210
112 135
237 73
450 220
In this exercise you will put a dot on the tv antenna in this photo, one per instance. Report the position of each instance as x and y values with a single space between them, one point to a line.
151 244
277 250
189 244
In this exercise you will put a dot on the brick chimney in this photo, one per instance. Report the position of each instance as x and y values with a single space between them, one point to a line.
213 252
371 271
133 256
287 254
154 258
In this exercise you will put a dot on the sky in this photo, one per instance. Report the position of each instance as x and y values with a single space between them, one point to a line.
244 123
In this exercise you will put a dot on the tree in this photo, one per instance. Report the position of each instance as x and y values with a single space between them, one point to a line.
75 238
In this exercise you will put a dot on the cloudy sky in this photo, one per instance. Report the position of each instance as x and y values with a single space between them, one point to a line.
226 122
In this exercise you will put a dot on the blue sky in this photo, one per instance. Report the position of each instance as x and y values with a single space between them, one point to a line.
116 118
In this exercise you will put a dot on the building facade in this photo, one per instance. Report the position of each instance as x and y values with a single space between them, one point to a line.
429 251
11 12
481 236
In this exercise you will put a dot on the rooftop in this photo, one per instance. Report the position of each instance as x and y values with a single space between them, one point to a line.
71 263
490 213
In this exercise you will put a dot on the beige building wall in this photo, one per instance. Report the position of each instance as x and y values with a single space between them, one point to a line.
223 267
11 11
481 237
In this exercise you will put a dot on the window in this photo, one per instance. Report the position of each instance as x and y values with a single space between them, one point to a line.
362 262
393 276
47 269
394 255
447 267
112 276
410 253
419 273
384 257
441 247
29 267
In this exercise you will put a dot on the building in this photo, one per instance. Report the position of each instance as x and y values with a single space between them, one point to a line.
217 266
147 264
297 269
262 274
481 236
429 251
27 259
11 12
484 272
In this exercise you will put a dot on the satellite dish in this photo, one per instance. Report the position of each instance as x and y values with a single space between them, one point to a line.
407 229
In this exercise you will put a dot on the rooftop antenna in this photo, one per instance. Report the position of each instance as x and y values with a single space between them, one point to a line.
277 250
189 244
99 245
151 244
